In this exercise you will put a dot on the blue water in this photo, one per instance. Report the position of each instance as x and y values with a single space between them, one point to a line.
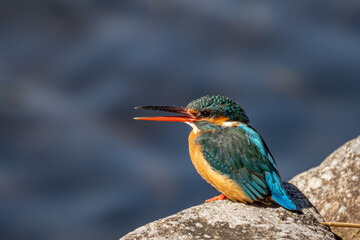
73 162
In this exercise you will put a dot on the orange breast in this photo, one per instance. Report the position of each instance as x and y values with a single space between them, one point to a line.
221 182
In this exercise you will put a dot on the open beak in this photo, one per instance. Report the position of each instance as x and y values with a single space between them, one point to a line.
187 117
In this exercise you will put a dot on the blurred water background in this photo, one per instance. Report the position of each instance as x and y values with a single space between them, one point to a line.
73 163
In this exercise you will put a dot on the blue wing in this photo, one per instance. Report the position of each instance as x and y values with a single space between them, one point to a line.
241 153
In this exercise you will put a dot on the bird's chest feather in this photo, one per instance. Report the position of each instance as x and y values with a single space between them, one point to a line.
201 165
218 180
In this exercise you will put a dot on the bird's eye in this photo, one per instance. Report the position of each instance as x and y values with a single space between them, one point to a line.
205 114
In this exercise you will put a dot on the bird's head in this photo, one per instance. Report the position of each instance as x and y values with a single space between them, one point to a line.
212 109
217 109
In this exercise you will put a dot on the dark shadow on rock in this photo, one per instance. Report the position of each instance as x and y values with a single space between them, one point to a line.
298 198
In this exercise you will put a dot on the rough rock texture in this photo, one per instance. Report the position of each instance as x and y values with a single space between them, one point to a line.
333 187
228 220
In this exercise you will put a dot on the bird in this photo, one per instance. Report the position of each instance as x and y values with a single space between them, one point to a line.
227 152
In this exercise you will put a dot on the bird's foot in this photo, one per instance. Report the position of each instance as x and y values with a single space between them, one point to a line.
220 197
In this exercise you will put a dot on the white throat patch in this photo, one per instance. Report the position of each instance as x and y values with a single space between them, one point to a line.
195 128
224 124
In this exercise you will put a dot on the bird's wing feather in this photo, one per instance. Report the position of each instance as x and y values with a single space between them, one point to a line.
241 154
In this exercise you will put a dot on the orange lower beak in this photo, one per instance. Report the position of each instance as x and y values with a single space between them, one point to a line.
187 117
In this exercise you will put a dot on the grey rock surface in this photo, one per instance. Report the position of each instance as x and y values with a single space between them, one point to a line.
228 220
333 187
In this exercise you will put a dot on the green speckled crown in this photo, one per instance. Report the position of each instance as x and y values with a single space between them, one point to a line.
219 106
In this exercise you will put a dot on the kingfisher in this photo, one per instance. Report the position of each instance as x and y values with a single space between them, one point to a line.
227 152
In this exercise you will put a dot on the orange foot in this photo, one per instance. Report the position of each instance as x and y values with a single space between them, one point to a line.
220 197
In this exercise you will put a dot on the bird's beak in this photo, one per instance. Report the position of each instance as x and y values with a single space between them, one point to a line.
187 117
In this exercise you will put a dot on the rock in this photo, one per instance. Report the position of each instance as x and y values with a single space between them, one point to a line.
228 220
333 187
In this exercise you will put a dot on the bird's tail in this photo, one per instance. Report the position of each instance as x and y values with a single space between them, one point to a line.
278 193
